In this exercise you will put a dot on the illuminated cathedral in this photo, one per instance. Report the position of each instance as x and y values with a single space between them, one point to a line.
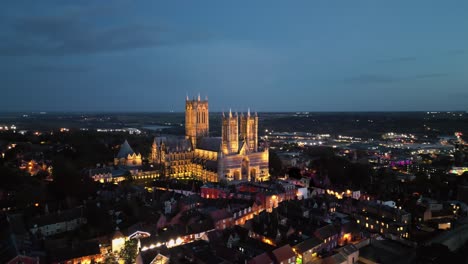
235 156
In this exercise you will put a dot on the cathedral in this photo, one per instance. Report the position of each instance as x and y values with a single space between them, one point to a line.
235 156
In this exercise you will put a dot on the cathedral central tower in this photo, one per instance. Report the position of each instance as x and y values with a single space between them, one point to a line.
249 131
196 119
230 134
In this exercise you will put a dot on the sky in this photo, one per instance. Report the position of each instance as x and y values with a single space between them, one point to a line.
123 55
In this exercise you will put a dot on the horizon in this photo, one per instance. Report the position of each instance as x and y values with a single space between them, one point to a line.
221 112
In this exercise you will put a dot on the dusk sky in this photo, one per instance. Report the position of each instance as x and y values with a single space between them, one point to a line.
267 55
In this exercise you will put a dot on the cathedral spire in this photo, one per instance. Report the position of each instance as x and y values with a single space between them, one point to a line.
198 96
248 111
230 112
186 97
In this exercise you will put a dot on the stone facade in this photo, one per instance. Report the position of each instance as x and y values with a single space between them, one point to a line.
127 157
234 156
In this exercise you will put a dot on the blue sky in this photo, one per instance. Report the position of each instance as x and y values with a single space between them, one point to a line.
272 55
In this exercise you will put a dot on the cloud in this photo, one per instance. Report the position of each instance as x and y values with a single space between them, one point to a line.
64 35
85 29
415 58
371 78
398 59
427 75
58 68
459 95
456 52
386 79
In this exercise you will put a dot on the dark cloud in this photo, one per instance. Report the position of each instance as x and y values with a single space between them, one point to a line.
385 79
68 35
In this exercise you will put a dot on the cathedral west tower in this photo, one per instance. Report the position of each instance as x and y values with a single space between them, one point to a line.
196 119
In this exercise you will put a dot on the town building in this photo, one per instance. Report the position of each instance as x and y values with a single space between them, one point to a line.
59 222
235 156
284 255
383 219
127 157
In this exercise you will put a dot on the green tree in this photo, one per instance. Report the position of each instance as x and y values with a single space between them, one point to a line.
129 252
110 258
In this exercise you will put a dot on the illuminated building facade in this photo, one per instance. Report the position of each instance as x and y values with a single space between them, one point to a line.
235 156
127 157
383 219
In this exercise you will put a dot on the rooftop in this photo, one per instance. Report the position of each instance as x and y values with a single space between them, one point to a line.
125 150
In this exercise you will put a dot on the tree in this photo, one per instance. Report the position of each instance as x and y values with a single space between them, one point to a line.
294 173
274 163
69 182
129 252
128 176
110 258
223 183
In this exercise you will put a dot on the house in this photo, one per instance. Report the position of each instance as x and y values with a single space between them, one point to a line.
221 218
214 191
284 255
263 258
350 252
383 219
59 222
20 259
81 253
329 235
195 252
333 259
308 249
14 240
252 248
101 174
157 255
